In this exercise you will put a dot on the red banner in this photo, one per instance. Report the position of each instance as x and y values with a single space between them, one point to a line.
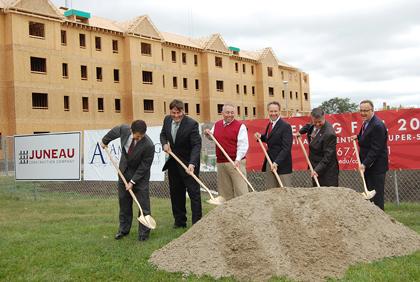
403 139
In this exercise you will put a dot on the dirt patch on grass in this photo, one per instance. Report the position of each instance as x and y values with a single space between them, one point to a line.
306 234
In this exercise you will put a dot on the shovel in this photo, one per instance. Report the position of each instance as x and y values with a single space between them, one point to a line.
230 160
147 220
214 201
270 163
367 194
298 137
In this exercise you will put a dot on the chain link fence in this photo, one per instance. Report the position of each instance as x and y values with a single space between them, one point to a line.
400 186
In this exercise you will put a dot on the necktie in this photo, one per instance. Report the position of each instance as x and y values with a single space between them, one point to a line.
314 133
270 128
364 127
175 127
132 145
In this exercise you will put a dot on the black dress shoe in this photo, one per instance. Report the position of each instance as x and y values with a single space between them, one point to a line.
119 235
176 226
143 237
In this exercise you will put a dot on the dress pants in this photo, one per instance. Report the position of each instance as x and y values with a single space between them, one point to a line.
271 180
230 183
179 183
141 191
376 182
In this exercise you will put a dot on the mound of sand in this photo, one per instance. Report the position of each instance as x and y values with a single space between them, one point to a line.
303 233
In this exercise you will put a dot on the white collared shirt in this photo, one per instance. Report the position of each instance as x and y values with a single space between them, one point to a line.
274 122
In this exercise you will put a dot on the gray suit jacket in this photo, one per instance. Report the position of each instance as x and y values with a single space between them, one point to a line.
136 166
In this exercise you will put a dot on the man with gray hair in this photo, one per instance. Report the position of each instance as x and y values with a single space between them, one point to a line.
322 149
232 136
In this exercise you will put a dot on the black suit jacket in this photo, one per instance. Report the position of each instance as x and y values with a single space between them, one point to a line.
187 144
322 152
135 166
279 146
373 147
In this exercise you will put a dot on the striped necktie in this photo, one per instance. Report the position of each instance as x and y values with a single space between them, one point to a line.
314 133
270 128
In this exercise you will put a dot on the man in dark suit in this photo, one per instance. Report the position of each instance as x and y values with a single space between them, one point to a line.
373 138
279 139
137 155
322 149
180 134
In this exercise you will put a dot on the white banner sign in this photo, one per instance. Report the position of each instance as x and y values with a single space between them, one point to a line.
97 165
54 156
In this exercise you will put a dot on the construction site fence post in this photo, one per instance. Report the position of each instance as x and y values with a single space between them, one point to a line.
397 196
5 156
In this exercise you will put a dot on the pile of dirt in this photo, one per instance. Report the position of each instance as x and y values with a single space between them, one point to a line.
306 234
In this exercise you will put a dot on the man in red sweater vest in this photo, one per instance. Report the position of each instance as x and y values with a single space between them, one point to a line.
233 137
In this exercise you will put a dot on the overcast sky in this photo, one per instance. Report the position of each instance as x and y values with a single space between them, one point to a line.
356 49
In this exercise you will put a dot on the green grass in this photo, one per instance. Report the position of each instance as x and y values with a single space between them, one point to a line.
60 239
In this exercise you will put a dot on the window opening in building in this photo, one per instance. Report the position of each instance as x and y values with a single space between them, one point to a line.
38 64
40 101
83 72
37 29
219 85
148 106
85 104
146 49
100 104
147 77
117 105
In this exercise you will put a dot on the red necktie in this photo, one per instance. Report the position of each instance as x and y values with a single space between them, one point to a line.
270 128
363 127
130 149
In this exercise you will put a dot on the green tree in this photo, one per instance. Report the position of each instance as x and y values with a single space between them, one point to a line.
338 105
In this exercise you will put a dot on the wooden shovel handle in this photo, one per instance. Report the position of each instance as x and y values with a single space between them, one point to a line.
270 162
123 179
193 175
230 160
298 137
356 151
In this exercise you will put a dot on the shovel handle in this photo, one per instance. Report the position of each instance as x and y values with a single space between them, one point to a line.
230 160
123 179
298 137
193 175
356 151
270 162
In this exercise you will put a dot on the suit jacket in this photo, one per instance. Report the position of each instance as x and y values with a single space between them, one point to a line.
373 147
135 166
187 144
279 146
322 152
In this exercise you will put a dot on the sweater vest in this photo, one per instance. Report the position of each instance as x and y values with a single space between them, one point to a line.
227 136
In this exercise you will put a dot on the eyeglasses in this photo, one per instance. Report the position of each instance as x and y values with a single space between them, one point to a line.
365 111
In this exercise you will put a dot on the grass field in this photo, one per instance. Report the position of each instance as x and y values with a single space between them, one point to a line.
60 239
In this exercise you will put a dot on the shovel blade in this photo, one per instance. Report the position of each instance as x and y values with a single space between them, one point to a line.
369 195
147 221
217 201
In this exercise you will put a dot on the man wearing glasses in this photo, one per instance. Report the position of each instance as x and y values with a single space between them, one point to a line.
373 137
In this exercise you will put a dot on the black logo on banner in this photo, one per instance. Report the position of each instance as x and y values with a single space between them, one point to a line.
23 157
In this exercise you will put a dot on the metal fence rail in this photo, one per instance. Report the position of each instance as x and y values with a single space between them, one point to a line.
401 185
